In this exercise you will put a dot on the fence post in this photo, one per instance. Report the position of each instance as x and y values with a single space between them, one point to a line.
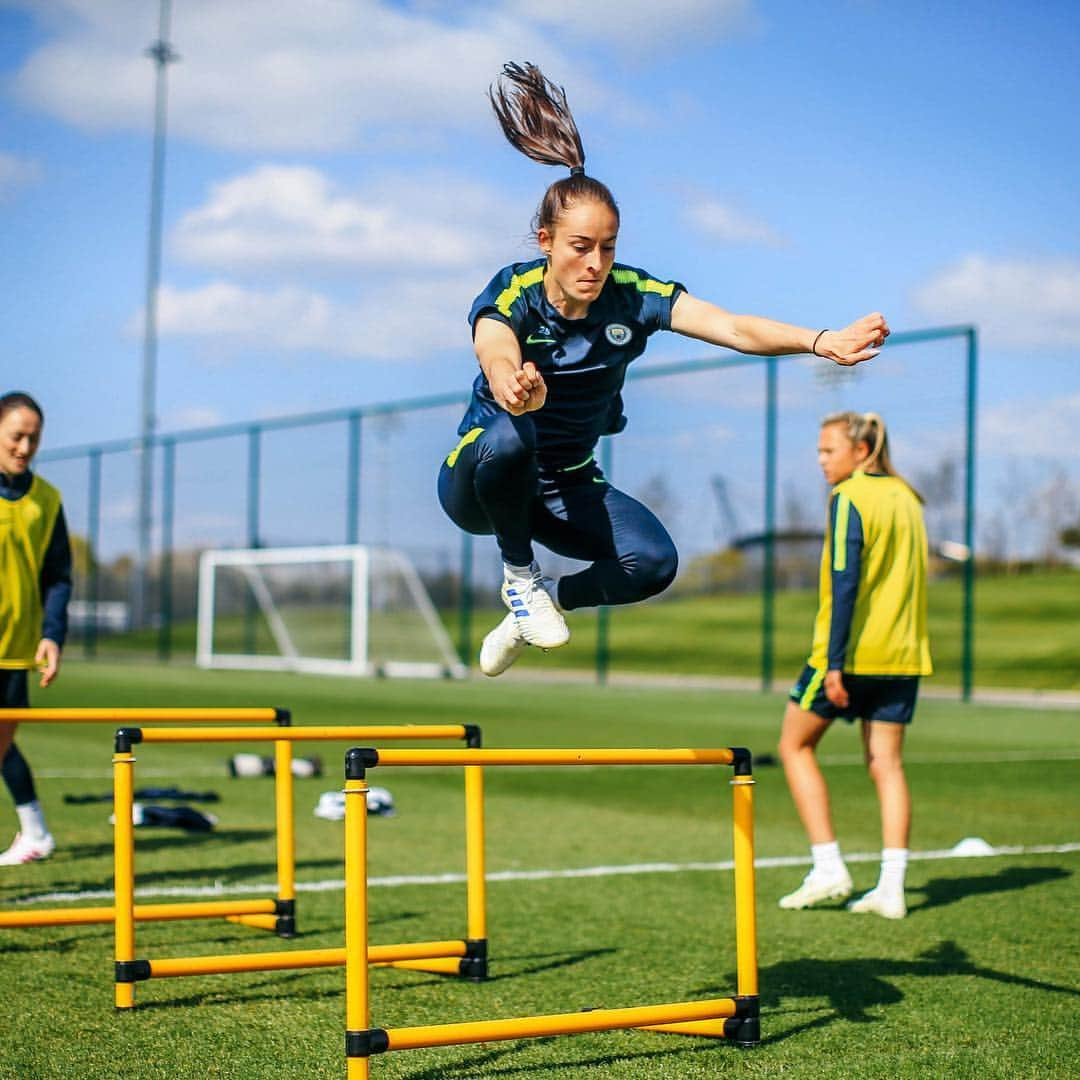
93 528
603 613
352 482
168 490
465 600
768 565
968 657
254 467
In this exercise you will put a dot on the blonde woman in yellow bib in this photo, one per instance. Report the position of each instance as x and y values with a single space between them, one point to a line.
35 585
870 649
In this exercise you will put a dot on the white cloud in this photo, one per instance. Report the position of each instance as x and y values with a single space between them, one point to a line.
410 319
298 74
289 217
1031 429
16 172
192 416
730 226
640 25
1031 302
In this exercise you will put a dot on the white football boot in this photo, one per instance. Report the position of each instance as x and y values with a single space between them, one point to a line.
531 600
816 887
889 905
24 850
501 647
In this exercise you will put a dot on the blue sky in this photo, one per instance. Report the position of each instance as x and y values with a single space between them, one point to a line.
337 191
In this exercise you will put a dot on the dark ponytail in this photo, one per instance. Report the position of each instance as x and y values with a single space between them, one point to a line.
535 118
537 121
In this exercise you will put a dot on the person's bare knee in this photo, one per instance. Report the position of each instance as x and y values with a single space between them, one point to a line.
800 733
882 746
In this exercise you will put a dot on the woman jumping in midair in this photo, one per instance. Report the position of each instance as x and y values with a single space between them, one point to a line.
554 337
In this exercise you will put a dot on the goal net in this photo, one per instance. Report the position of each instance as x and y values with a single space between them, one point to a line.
350 610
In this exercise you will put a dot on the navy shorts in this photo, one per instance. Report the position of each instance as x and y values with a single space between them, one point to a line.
871 697
14 688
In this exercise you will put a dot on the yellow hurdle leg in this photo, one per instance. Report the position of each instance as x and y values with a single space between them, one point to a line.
284 797
356 918
476 884
124 871
745 914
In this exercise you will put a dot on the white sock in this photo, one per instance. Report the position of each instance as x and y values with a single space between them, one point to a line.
32 821
519 571
827 858
893 868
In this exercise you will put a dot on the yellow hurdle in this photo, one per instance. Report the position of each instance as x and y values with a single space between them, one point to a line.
145 716
254 913
466 957
735 1017
315 733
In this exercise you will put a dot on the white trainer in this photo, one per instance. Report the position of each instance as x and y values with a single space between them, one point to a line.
501 647
531 601
817 887
24 850
888 905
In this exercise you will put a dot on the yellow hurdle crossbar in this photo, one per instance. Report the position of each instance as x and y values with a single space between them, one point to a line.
466 957
735 1017
328 733
553 757
211 909
532 1027
145 716
300 958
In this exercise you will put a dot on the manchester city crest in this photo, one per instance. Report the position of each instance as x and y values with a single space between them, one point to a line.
618 334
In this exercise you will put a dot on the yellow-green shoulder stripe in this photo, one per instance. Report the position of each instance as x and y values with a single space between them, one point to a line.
519 282
645 285
839 559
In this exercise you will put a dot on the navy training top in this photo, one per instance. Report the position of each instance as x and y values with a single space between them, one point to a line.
583 361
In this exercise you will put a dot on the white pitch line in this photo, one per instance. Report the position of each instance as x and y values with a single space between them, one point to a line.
398 880
106 774
960 757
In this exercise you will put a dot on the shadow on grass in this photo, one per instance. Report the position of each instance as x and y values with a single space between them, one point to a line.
852 987
156 841
263 872
467 1069
941 891
52 945
234 872
278 987
550 962
231 937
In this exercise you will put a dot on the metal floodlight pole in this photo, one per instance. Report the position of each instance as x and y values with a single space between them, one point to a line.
162 54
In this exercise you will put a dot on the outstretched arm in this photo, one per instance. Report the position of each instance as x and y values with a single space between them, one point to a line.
517 387
765 337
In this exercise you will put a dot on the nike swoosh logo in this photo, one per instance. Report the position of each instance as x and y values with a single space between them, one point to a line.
530 340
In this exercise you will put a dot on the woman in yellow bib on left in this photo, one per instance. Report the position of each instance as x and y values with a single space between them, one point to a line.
35 585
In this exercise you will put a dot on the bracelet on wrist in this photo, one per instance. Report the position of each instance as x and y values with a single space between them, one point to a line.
813 348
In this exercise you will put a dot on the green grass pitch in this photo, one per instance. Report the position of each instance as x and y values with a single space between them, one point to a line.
981 980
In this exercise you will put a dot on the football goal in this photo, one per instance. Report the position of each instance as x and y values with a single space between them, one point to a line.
349 610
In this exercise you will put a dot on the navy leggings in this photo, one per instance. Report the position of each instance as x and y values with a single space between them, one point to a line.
490 485
15 694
